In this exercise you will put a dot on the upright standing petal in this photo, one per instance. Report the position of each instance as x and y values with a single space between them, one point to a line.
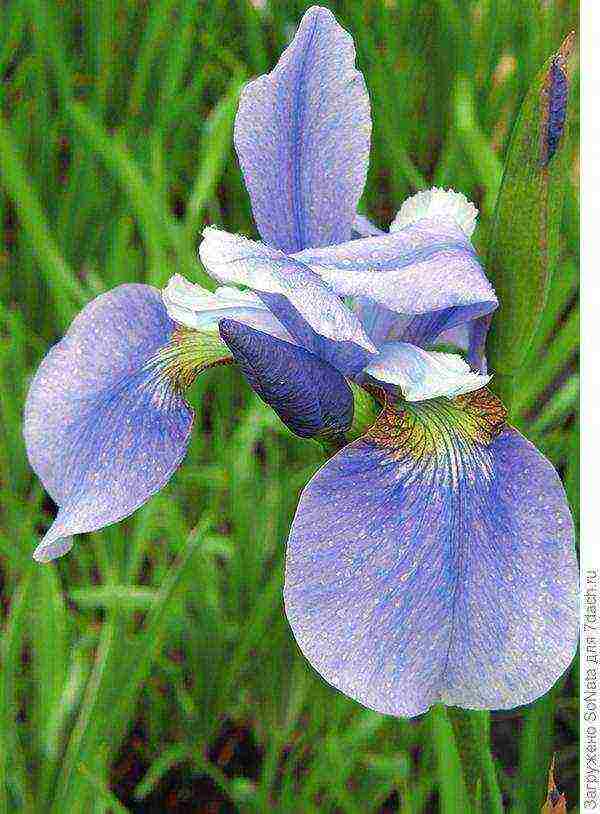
433 560
105 428
312 398
302 134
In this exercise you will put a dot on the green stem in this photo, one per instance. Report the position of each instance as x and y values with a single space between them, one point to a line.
472 735
454 797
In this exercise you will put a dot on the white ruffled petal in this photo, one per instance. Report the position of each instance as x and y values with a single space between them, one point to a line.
195 307
423 375
230 258
437 203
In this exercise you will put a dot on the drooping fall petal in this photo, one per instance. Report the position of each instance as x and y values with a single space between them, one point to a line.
433 560
105 422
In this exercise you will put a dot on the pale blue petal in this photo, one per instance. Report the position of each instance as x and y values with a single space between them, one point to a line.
428 266
441 204
313 314
434 561
362 227
310 396
103 431
302 135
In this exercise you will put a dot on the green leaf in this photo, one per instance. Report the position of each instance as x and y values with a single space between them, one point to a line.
66 289
524 241
214 151
472 733
104 793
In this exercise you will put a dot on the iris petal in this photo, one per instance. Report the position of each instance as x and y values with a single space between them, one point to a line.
193 306
311 397
433 560
362 227
478 331
470 338
422 374
313 314
428 271
104 429
445 204
302 135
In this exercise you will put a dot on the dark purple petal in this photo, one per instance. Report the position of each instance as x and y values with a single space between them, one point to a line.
433 560
104 430
311 397
302 135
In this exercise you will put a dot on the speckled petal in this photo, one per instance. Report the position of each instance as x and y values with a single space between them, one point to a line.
423 375
302 135
311 397
313 314
368 311
478 331
428 271
103 431
433 560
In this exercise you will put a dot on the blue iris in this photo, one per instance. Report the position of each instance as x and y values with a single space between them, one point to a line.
431 558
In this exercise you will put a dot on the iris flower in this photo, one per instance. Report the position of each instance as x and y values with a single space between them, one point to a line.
431 557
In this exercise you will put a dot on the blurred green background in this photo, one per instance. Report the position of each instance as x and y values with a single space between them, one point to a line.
153 669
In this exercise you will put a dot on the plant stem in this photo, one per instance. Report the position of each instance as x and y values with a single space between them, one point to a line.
472 735
454 797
